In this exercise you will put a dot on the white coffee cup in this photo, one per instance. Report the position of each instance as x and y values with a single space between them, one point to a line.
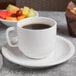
35 43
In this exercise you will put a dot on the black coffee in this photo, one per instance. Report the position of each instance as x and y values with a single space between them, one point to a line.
36 26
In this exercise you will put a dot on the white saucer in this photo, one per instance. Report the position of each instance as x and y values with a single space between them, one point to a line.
64 50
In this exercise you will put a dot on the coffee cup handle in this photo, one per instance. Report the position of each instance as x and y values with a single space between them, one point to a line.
7 37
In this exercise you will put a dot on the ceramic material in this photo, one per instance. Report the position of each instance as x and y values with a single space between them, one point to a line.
35 43
64 50
10 23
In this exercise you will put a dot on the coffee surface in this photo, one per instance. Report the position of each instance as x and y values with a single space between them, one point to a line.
36 26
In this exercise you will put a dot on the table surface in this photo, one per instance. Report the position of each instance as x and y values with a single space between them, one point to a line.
66 69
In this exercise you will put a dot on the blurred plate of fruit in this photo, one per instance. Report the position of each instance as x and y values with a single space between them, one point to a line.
12 14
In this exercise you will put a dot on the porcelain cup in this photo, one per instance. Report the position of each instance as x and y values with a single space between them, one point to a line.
34 43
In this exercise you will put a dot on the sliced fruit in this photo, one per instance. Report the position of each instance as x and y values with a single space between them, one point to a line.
31 13
19 13
21 17
13 9
4 14
25 11
11 18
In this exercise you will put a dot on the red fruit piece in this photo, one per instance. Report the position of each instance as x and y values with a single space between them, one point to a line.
1 15
4 14
19 13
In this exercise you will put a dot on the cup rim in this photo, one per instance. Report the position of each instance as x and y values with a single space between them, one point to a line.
48 18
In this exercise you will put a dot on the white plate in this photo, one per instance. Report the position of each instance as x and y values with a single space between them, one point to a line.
64 50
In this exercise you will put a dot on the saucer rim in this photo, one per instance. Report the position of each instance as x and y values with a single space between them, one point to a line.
71 53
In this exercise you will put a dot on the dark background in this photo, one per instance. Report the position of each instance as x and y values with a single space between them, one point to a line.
49 5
